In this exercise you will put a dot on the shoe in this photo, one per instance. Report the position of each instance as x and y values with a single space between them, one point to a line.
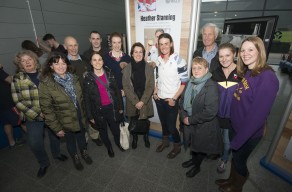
187 164
86 157
77 162
146 141
134 142
222 166
61 157
98 141
163 145
121 148
193 171
42 171
175 151
110 152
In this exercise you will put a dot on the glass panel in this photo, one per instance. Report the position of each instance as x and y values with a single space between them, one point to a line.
246 5
213 6
279 4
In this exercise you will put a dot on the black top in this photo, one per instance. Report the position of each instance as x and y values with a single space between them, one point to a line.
138 77
59 49
6 101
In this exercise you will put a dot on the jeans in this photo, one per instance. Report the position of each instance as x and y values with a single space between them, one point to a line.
168 116
226 142
72 138
108 115
35 136
241 155
54 143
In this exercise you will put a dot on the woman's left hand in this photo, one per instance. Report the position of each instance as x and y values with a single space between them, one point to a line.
139 105
186 121
170 101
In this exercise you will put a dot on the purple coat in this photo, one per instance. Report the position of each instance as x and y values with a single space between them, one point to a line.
251 105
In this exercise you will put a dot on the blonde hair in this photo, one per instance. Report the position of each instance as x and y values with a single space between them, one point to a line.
200 61
19 55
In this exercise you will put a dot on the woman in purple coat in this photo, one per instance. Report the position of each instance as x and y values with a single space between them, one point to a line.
250 107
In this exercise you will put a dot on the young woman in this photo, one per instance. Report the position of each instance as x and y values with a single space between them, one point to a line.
138 84
199 106
25 94
250 107
227 79
103 101
172 77
61 102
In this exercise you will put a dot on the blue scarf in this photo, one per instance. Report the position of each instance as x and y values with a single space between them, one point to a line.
67 83
193 89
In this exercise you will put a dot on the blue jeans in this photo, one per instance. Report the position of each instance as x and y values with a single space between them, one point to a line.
35 136
226 142
168 116
241 155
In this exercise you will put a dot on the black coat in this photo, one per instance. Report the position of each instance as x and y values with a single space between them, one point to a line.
214 62
92 98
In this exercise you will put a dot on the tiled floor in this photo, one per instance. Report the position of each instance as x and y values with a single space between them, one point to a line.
137 170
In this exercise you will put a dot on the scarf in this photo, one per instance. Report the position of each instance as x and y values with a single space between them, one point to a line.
138 77
194 87
67 84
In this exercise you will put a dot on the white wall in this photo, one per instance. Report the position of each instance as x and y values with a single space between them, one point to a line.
59 17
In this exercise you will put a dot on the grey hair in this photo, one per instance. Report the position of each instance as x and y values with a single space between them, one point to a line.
159 30
211 25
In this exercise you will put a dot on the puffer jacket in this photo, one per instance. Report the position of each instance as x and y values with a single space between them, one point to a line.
92 97
57 106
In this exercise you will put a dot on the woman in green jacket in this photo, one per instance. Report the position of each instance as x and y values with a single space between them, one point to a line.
61 102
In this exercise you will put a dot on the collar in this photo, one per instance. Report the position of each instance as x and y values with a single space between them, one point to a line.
70 57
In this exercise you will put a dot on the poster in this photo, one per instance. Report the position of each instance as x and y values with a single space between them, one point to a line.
158 14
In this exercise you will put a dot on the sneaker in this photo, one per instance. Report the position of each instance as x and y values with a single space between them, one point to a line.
86 157
222 166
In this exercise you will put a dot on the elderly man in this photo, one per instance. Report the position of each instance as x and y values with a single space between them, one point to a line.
210 50
80 66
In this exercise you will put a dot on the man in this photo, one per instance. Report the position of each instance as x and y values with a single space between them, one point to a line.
210 50
95 40
54 45
80 66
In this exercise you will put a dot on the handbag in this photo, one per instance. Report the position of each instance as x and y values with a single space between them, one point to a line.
124 135
137 125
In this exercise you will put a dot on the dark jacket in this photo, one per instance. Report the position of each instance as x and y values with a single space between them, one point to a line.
204 126
227 88
92 98
57 106
214 62
132 98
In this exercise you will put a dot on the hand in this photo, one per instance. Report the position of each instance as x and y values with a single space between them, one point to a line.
155 97
92 121
123 93
42 115
139 105
171 102
61 133
123 64
186 121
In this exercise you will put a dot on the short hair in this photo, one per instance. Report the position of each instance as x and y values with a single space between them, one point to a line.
95 32
200 61
29 45
54 58
19 55
167 36
227 46
261 62
159 30
138 44
211 25
48 36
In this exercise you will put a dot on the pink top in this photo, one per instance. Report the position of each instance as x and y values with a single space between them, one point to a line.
105 100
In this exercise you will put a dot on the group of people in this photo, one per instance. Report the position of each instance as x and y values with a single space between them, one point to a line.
222 107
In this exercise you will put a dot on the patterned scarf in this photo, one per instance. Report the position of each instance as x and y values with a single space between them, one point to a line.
67 83
193 89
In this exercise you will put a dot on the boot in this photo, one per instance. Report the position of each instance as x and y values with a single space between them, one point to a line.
176 150
163 145
110 152
146 140
222 182
77 162
236 184
135 140
86 157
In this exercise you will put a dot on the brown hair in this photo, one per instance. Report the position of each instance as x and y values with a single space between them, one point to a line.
200 61
138 44
261 63
166 36
227 46
19 55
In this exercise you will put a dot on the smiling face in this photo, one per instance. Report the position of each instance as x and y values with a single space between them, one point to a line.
96 62
249 54
95 40
116 44
226 57
165 46
209 36
138 54
60 67
28 64
199 70
72 46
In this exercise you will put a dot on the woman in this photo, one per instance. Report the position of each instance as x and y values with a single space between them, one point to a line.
250 107
103 101
227 79
61 103
199 107
138 84
25 94
172 77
